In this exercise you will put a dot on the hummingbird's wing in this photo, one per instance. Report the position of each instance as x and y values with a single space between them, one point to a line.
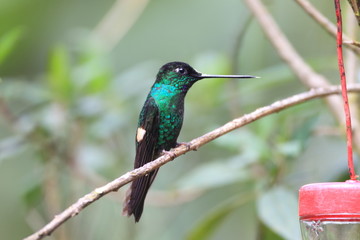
146 151
147 133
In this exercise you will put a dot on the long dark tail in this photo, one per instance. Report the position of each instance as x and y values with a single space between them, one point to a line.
136 194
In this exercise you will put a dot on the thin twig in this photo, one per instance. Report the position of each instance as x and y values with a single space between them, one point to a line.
114 185
237 44
232 86
328 25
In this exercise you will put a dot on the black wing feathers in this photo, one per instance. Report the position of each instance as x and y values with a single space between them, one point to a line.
146 151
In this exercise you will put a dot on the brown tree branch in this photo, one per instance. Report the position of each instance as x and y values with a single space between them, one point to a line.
114 185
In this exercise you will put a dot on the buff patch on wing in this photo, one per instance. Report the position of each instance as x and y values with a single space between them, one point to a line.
140 134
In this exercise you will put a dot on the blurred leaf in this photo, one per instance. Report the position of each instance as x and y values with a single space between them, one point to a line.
271 77
210 222
210 63
33 195
266 127
267 233
213 63
303 132
11 146
290 148
98 83
212 175
92 158
54 119
245 141
277 208
92 76
59 75
90 106
8 42
107 124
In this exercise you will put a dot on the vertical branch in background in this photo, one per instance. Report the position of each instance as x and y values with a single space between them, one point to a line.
233 86
344 90
237 45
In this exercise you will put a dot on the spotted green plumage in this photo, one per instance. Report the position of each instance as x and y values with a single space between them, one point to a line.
159 125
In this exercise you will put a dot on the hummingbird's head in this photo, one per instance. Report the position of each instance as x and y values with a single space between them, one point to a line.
178 74
182 76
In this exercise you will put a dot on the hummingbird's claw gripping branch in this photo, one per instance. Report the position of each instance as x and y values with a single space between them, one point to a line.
186 144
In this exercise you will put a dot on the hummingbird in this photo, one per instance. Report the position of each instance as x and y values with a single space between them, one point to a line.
159 125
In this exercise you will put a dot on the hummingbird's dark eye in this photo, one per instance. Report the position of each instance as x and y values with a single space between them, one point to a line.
180 70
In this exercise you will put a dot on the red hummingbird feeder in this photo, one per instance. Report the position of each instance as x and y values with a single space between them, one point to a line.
329 211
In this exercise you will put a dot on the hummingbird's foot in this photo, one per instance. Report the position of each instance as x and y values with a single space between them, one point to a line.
172 154
186 144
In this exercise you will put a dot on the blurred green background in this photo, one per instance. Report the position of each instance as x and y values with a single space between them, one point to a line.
71 90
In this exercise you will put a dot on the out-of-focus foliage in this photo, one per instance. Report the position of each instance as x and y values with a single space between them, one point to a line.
8 41
69 108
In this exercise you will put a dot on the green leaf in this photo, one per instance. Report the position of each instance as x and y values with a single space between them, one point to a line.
33 195
209 224
59 74
94 75
8 42
98 83
277 208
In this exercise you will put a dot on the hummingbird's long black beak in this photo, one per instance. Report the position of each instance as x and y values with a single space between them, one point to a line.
226 76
